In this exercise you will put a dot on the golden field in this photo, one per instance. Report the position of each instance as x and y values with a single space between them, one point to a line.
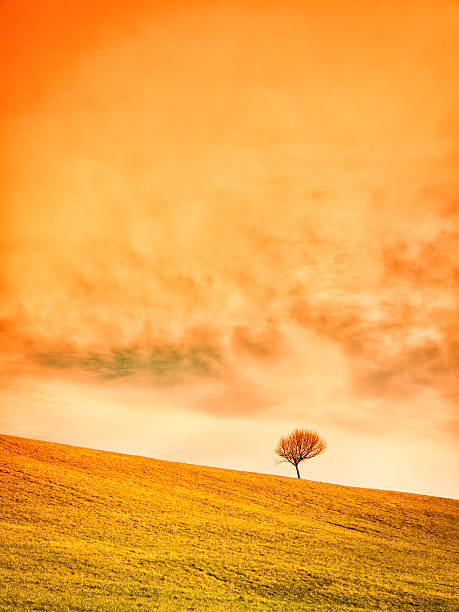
83 529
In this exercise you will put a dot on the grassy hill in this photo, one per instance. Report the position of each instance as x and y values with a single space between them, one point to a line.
90 530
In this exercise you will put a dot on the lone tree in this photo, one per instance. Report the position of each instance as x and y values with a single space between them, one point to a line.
301 444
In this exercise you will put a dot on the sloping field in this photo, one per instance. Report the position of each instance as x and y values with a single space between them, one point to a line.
90 530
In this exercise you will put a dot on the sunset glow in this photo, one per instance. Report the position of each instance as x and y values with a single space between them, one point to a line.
225 220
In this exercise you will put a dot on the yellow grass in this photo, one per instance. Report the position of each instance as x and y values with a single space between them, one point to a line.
91 530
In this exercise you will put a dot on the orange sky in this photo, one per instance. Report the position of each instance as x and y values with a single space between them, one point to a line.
225 220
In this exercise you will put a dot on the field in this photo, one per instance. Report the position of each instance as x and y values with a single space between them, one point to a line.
90 530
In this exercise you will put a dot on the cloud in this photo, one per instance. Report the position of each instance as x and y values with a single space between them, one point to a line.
163 364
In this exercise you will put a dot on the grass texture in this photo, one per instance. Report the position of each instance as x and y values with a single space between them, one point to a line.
90 530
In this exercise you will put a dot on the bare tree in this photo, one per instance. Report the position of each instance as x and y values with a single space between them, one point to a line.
301 444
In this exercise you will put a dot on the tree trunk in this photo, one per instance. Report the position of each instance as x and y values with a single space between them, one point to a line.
297 471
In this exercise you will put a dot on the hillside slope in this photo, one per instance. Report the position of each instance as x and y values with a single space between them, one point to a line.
90 530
